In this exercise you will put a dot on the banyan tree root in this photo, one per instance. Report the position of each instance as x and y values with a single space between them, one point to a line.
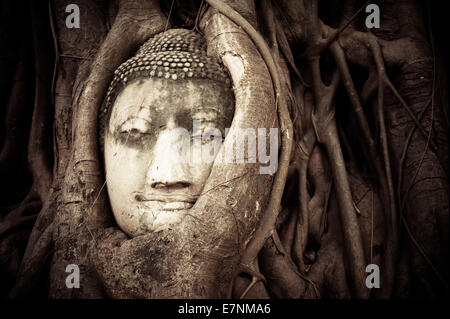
266 227
370 46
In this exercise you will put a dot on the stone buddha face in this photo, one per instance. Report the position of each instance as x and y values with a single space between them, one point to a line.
151 181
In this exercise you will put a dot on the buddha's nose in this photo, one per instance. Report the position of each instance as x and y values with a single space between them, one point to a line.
169 168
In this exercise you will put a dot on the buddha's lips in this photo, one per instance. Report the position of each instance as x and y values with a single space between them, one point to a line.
166 198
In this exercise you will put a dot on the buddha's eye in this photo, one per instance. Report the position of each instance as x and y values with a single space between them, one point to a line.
207 134
134 128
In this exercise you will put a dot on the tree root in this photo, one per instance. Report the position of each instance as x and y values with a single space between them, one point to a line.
38 150
303 154
16 126
392 228
287 232
9 225
326 131
267 223
405 224
320 178
283 278
38 248
29 272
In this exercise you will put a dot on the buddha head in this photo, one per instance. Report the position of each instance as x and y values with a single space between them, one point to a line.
161 110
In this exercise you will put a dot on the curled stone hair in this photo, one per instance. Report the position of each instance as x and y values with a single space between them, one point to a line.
176 54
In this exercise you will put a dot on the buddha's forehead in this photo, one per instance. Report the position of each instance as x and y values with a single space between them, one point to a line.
150 97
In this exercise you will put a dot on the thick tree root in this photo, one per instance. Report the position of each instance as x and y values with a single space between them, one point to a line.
267 223
29 272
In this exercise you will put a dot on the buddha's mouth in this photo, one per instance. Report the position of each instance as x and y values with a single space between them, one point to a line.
166 202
